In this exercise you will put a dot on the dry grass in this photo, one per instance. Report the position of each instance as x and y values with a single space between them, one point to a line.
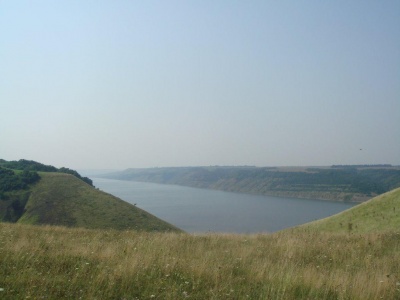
56 262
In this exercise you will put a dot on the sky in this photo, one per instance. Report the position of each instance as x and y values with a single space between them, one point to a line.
121 84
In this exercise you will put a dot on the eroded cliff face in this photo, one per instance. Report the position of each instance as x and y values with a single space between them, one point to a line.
253 188
350 184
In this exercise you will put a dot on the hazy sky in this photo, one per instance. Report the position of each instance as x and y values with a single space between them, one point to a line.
118 84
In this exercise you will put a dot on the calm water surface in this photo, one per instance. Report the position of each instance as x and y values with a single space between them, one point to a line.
201 210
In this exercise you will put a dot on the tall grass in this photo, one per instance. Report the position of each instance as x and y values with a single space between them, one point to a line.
57 262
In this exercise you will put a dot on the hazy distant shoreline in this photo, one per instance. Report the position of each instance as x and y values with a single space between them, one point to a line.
336 183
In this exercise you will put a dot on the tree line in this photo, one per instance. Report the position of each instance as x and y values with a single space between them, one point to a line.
30 165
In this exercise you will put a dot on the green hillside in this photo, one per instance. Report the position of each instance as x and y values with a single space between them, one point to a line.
62 199
378 214
35 193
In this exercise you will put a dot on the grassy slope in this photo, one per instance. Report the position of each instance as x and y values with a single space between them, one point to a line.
62 199
378 214
70 263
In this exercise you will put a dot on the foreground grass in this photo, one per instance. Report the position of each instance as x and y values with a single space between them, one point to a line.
58 262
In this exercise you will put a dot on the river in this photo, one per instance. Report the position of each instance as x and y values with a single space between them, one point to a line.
200 210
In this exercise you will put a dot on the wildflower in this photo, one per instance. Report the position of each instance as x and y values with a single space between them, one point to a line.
1 290
185 294
152 296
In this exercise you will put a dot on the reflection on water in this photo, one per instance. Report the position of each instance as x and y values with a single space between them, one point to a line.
201 210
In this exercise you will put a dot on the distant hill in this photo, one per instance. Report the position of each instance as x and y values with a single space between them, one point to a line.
342 183
381 213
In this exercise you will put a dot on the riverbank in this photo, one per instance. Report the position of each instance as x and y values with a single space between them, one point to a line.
336 183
